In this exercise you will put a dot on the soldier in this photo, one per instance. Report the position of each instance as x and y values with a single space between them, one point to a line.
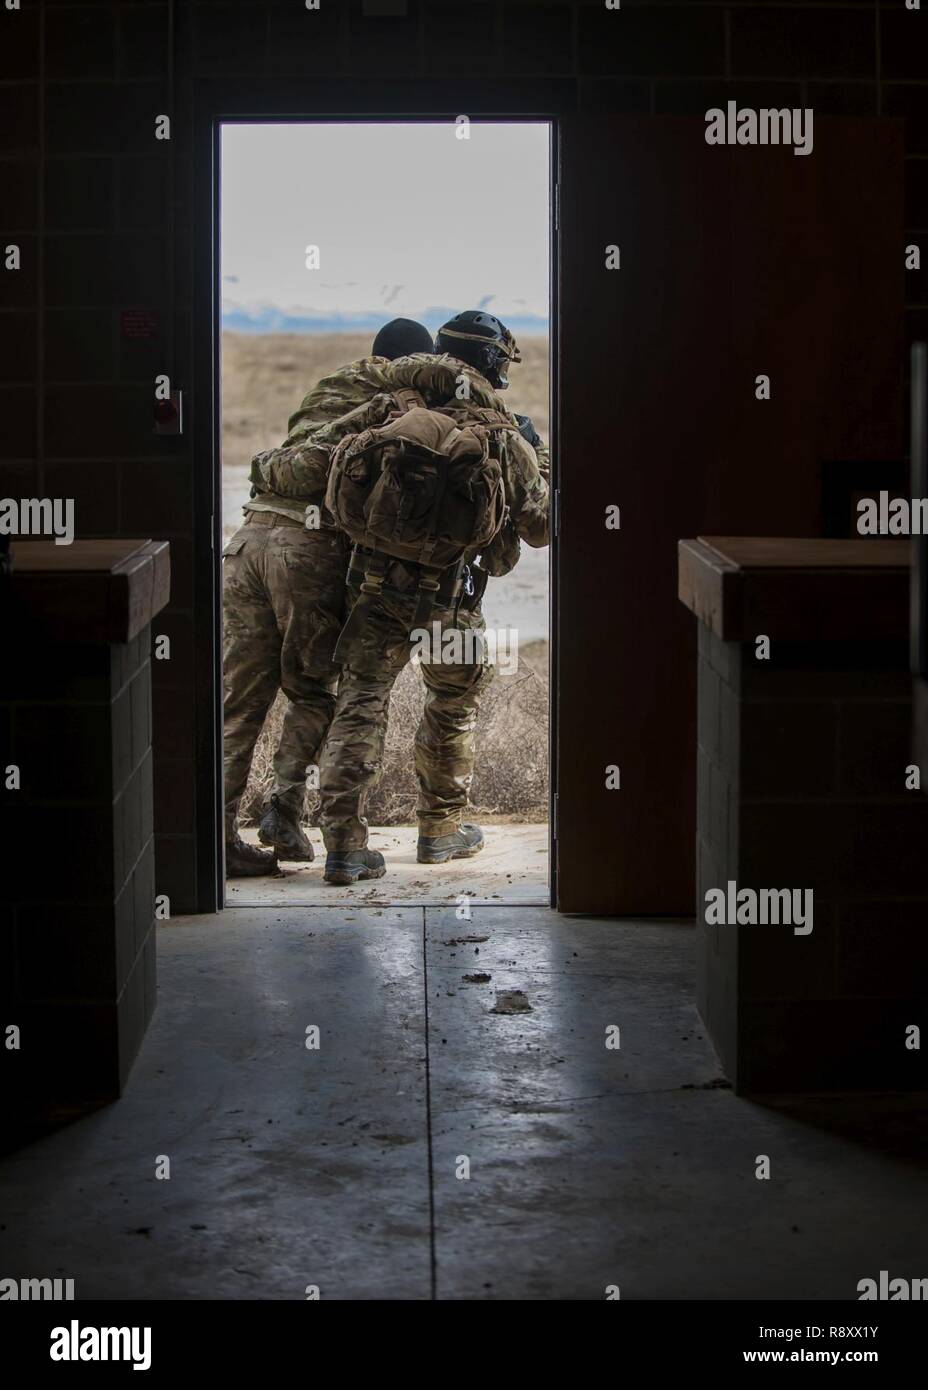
283 601
475 351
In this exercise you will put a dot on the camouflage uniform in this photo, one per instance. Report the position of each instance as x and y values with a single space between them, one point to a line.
283 603
283 597
295 472
445 739
444 746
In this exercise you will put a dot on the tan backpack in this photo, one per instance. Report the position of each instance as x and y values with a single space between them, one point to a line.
426 487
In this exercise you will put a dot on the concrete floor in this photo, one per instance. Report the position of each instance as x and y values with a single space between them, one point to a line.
512 867
338 1167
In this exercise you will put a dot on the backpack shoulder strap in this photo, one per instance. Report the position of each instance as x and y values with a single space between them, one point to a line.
478 415
496 419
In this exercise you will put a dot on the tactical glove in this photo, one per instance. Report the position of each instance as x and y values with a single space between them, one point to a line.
528 430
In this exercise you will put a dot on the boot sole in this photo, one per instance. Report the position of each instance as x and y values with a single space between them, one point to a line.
343 878
259 871
283 851
442 856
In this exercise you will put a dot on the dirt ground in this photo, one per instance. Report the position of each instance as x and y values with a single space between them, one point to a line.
511 868
264 377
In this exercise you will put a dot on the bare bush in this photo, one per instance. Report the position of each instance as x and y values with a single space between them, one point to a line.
511 777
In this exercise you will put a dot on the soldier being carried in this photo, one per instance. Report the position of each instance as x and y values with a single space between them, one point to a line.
437 484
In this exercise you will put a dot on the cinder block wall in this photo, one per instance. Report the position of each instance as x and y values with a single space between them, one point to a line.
802 784
77 945
103 213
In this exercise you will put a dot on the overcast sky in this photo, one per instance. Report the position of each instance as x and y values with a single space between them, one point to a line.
406 217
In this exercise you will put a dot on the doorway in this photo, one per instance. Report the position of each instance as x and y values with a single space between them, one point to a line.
351 241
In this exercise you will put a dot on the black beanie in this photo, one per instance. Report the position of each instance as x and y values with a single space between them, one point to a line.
400 337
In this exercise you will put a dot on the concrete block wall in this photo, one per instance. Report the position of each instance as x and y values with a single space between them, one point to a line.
77 893
717 778
103 214
802 784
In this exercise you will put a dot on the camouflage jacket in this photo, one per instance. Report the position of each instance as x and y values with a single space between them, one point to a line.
331 397
299 469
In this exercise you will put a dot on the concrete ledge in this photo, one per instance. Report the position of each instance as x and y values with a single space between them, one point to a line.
797 589
91 591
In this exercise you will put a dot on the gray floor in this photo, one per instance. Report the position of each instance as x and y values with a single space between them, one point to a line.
338 1167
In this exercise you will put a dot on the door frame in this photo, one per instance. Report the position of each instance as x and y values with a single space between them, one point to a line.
212 113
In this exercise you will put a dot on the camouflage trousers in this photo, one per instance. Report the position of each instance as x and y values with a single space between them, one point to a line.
445 739
283 607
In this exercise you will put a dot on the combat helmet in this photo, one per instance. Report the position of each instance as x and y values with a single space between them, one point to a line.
481 340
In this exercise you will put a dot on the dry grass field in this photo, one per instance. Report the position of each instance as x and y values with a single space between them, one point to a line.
264 377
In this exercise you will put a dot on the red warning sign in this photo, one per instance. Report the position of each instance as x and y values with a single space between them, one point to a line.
139 323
